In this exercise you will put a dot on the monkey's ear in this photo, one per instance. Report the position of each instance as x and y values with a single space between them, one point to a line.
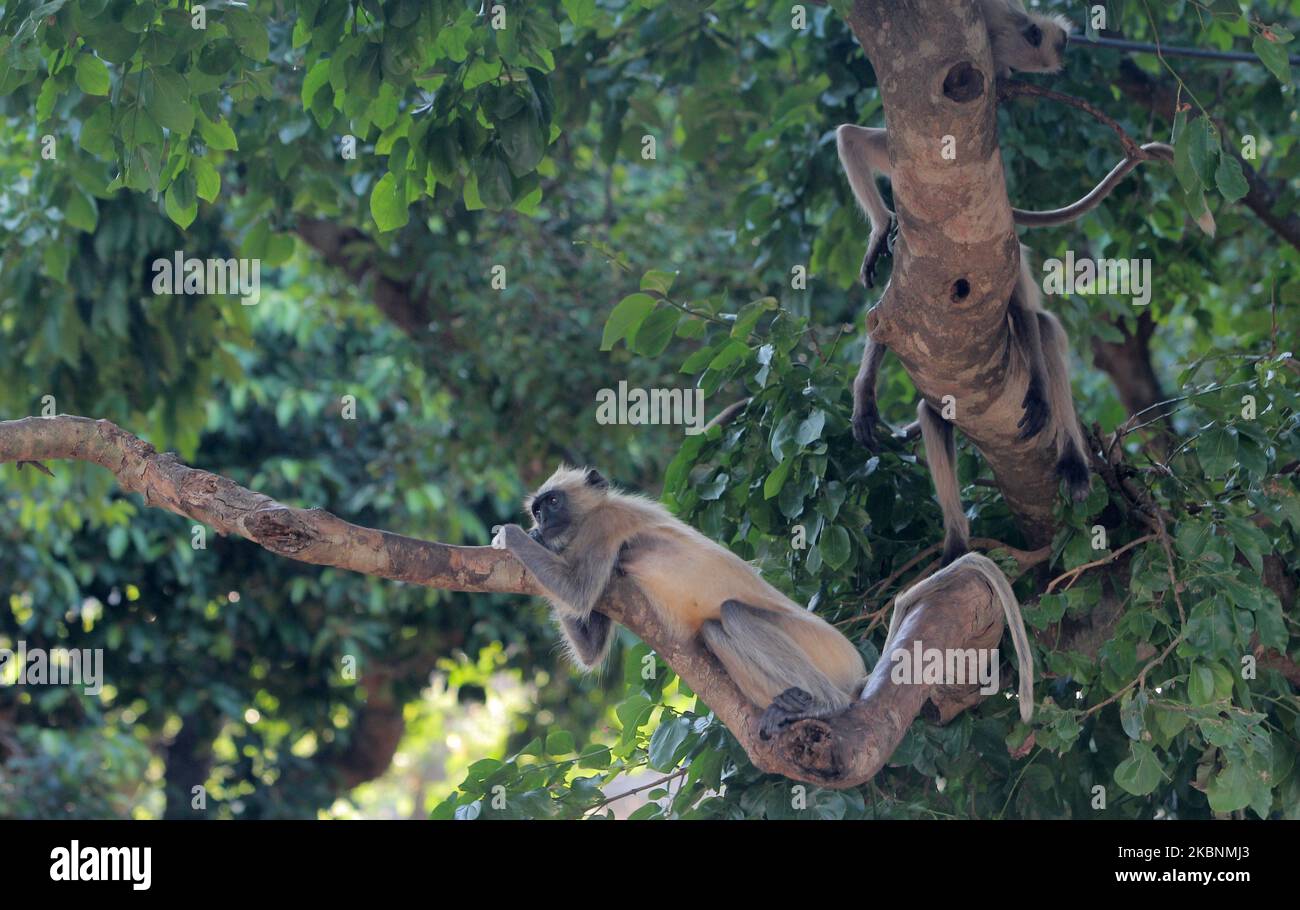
596 479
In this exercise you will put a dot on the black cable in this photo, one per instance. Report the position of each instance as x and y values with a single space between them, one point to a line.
1171 50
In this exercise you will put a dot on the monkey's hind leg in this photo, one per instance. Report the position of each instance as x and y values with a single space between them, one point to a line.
769 667
941 453
588 639
1037 401
1071 460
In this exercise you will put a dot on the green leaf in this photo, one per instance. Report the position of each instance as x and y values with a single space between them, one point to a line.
1274 56
698 360
1194 149
523 141
495 187
92 75
96 132
1200 685
181 204
401 13
654 280
835 546
217 135
388 204
782 435
626 318
664 742
249 33
169 101
206 179
594 756
559 742
317 77
1230 179
776 480
1139 774
810 429
80 212
580 12
748 317
1230 789
731 352
1217 450
652 336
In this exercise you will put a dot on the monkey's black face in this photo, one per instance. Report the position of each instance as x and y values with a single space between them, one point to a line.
552 518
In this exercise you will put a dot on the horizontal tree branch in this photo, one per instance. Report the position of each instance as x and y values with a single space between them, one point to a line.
842 751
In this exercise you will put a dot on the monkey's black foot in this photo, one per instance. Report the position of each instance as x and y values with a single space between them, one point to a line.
864 428
1074 471
881 243
1037 412
791 705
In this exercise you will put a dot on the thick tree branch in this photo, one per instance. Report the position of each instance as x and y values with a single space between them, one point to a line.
1129 366
352 252
842 751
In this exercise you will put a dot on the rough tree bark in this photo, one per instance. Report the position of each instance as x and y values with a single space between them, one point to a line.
956 258
843 751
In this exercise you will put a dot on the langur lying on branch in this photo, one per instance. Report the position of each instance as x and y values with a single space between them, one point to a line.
786 660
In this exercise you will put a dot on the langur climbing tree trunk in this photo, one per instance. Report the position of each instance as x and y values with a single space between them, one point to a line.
956 256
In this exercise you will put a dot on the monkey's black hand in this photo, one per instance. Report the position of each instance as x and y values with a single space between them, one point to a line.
881 243
1037 412
791 705
864 427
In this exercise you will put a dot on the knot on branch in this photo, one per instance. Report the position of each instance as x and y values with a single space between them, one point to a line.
118 438
964 83
813 747
279 530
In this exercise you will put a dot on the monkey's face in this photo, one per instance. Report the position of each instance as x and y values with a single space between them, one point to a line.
1043 45
552 518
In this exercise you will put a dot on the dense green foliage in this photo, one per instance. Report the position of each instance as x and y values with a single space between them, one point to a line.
524 146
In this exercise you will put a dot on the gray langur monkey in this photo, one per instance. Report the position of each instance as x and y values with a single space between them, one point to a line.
1020 41
1036 334
785 659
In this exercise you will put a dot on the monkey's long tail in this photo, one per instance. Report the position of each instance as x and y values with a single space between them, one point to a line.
990 572
1093 198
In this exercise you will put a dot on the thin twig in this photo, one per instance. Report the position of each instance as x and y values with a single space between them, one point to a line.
1074 573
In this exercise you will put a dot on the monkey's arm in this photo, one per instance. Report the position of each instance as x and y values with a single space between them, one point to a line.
863 152
573 590
1094 197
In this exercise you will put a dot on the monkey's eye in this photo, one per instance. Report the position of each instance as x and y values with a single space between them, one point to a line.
1034 35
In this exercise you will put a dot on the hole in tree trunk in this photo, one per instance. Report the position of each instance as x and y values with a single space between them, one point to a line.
960 288
963 83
